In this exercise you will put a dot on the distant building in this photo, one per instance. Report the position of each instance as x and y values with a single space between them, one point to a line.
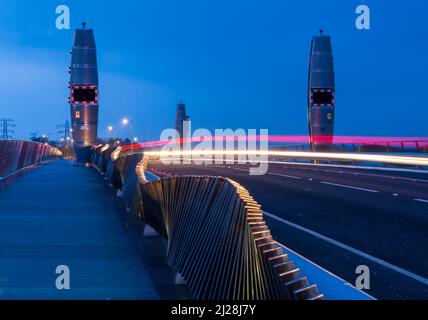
321 93
180 117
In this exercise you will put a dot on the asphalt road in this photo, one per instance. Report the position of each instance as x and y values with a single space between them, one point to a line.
341 218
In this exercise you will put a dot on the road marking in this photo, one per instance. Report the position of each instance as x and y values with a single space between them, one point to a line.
355 167
284 175
349 187
421 200
350 249
273 174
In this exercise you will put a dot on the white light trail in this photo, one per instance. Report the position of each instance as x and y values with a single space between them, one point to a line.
361 157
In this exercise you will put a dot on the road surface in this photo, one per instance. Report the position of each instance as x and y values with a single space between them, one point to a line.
341 218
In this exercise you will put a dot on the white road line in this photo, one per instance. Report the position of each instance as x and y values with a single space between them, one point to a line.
357 173
350 249
355 167
284 175
273 174
349 187
421 200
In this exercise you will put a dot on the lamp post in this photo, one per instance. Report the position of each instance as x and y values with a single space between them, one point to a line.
125 122
112 130
47 136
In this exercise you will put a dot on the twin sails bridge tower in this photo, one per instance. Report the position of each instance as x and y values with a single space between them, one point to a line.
321 93
84 92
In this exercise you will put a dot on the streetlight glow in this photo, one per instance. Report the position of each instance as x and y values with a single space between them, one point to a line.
125 122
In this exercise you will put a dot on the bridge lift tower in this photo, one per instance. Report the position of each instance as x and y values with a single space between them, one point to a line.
321 93
84 92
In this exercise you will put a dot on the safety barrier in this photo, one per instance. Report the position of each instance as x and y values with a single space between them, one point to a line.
16 155
216 236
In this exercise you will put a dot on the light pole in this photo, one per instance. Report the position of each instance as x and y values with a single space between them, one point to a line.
125 122
47 136
112 130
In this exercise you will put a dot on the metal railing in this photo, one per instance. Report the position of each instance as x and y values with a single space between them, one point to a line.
17 154
216 235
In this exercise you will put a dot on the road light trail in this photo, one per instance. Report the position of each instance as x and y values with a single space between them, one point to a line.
293 139
362 157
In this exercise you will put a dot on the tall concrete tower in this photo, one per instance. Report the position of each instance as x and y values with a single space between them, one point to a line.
84 92
180 117
321 93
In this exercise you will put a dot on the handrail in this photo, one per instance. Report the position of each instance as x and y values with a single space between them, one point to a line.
217 238
18 154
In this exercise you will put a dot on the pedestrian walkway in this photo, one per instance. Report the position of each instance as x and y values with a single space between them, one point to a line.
62 214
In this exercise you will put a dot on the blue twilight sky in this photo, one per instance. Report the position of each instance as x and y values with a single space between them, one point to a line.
236 64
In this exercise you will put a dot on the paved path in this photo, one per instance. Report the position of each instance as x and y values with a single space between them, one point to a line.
60 214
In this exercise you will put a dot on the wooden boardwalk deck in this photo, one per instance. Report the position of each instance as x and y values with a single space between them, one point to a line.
61 214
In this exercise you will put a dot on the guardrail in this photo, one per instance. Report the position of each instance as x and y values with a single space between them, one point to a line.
216 236
16 155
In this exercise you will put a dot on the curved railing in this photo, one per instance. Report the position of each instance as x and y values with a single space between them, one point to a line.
16 155
216 236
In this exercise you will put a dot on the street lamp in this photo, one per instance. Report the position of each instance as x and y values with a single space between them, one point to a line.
47 136
112 130
125 122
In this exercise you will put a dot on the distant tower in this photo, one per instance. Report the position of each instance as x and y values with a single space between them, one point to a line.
67 130
180 117
84 92
321 93
63 132
6 129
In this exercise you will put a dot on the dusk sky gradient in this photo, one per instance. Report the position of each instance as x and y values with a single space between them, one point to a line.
236 64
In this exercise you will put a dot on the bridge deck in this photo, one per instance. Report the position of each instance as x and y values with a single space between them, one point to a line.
60 214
